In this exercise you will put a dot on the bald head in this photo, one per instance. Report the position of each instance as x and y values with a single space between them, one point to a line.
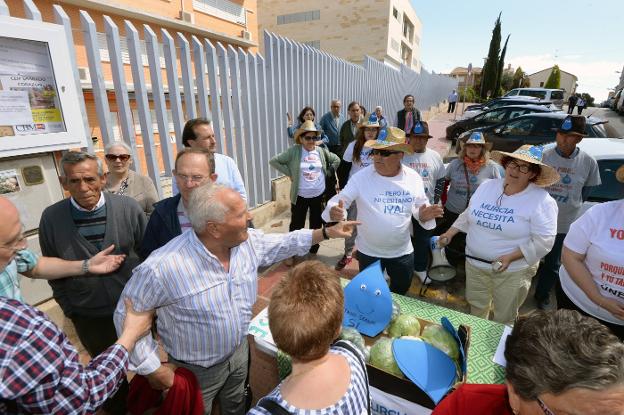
10 231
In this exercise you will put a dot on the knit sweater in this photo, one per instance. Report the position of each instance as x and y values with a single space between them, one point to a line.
92 295
289 163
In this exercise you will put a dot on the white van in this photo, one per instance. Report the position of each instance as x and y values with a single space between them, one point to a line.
544 94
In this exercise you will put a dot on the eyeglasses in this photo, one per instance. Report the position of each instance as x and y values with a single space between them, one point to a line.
544 408
18 244
193 179
524 169
383 153
309 137
113 157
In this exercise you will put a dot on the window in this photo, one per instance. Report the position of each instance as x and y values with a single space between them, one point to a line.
541 84
610 189
408 29
395 13
223 9
299 17
125 57
492 117
556 95
406 54
533 93
519 127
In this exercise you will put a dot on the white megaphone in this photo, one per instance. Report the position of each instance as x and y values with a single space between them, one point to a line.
440 269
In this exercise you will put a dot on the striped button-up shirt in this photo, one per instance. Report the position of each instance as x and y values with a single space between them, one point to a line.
203 310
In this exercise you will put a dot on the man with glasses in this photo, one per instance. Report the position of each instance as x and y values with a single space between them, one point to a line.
76 229
194 166
330 123
198 133
387 194
16 258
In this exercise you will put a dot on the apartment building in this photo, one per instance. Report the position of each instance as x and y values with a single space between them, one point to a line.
387 30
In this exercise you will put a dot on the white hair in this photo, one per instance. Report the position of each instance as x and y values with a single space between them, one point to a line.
126 147
378 107
75 157
205 206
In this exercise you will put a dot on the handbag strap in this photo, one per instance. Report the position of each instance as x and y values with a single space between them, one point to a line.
346 345
467 185
272 407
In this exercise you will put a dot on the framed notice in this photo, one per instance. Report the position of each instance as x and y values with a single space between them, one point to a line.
39 110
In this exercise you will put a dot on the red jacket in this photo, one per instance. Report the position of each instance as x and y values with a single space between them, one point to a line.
183 398
474 399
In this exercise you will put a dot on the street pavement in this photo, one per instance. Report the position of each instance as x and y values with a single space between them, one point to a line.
615 120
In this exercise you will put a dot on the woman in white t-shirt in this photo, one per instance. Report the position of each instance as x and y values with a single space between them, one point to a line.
592 264
306 164
359 157
464 175
510 224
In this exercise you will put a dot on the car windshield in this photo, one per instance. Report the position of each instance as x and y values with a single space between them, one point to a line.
556 95
537 94
610 189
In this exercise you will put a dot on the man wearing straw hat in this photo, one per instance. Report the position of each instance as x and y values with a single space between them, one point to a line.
387 194
428 164
579 172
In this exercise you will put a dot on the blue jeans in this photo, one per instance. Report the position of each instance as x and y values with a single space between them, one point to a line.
400 270
548 273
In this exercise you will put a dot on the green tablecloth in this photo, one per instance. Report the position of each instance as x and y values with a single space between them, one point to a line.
484 338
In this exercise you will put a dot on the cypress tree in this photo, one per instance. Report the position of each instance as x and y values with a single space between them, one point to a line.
501 68
490 69
554 79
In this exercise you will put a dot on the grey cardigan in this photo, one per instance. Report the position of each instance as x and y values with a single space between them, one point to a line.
92 295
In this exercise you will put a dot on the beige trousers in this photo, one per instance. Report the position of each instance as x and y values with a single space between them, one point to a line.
500 292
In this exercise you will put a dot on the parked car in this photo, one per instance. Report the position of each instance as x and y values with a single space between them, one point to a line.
616 99
536 128
491 117
472 110
546 94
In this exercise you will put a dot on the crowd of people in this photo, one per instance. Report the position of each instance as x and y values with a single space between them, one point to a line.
166 288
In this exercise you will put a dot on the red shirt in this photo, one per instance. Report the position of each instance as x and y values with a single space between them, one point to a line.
474 399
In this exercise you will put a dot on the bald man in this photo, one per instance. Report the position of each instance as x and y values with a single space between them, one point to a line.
16 258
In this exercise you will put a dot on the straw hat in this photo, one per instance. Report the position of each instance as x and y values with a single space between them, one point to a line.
372 122
531 154
619 174
391 138
420 129
573 124
306 127
476 138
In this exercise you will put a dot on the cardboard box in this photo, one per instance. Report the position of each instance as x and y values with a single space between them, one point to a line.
403 387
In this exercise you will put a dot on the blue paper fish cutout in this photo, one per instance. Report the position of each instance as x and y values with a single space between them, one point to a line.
567 124
373 118
382 135
368 303
536 151
418 128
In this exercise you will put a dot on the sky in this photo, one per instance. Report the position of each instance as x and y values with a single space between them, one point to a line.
581 36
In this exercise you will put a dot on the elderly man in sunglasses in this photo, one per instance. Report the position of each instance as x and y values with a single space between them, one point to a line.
387 194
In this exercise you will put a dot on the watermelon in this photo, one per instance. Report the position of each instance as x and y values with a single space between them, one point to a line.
439 337
404 325
381 357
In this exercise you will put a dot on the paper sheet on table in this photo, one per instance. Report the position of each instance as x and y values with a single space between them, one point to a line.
499 356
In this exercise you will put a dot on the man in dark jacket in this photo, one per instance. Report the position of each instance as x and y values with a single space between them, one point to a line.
76 229
407 117
193 167
572 100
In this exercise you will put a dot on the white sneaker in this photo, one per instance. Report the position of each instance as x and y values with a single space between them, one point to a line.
422 276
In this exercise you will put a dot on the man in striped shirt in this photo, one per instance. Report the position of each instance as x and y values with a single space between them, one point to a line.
203 285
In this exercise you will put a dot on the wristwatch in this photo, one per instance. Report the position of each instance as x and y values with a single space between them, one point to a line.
85 266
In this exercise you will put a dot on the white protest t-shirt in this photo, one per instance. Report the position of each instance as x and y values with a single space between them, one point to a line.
576 172
457 193
311 176
599 234
430 167
385 206
365 158
498 226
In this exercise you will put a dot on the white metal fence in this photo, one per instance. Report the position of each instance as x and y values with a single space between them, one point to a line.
246 95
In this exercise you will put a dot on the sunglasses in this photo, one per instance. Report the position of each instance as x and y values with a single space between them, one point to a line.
384 153
113 157
544 408
309 137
